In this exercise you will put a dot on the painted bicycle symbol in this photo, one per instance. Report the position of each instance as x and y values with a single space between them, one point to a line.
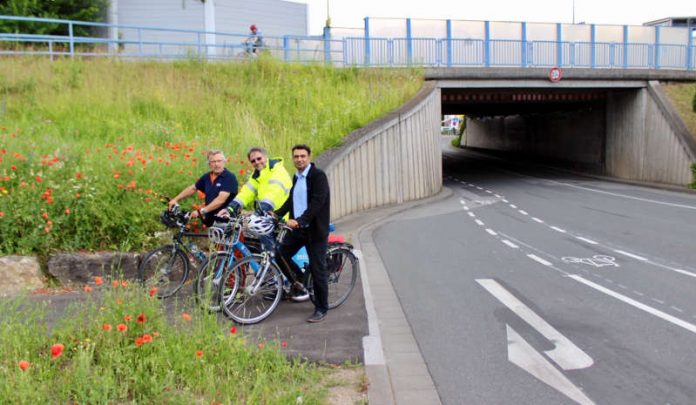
596 260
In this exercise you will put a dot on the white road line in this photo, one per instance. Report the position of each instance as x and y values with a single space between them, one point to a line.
537 220
658 301
513 206
491 232
621 252
566 354
630 197
667 317
590 241
523 212
512 245
471 214
479 222
539 259
505 201
497 195
489 191
677 309
557 229
479 188
462 202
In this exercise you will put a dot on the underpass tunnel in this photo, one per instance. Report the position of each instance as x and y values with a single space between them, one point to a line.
564 126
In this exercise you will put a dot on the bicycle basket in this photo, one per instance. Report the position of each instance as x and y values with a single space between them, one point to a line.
223 233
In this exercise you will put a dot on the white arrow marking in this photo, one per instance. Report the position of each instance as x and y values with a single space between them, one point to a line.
566 354
523 355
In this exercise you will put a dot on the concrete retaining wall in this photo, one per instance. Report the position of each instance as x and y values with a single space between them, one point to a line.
394 159
646 139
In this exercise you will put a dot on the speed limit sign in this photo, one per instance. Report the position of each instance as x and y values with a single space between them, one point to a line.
555 74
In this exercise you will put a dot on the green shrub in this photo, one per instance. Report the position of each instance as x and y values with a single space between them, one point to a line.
693 171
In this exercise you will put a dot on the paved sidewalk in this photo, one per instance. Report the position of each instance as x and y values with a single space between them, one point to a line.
394 366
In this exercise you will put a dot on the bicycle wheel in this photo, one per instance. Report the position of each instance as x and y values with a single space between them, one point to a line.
205 289
343 268
256 292
165 268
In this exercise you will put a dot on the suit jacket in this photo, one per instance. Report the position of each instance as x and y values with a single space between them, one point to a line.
317 215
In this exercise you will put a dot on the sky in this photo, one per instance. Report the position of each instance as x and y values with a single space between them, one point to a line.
350 13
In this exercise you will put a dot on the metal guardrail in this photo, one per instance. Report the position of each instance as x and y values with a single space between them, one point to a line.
126 41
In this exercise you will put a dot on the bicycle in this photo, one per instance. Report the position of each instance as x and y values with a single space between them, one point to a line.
251 289
226 233
167 267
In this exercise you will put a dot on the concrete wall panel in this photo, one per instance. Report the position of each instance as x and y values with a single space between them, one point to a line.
385 162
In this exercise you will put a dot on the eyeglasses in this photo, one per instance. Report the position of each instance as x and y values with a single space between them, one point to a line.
215 161
258 159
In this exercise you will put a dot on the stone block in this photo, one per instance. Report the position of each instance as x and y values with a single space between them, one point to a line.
81 268
19 274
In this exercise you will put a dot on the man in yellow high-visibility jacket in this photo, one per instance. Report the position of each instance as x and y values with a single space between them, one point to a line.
267 188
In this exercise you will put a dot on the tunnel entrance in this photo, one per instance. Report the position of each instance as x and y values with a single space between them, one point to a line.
564 127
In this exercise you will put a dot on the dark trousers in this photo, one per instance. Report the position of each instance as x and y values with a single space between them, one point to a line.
316 250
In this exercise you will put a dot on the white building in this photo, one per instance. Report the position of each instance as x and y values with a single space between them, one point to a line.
229 18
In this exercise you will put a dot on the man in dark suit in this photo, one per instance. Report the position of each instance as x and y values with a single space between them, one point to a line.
308 206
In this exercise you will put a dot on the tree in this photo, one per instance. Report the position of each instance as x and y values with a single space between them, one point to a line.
80 10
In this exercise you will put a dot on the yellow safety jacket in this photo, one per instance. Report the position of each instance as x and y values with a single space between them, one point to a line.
270 185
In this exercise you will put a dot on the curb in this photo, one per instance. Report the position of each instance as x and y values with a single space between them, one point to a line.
392 357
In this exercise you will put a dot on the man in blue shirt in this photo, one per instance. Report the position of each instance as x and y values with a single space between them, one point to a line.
219 185
308 205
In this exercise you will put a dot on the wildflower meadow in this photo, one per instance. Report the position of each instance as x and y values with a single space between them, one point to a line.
89 149
121 345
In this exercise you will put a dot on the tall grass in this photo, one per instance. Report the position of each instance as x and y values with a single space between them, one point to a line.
121 346
88 147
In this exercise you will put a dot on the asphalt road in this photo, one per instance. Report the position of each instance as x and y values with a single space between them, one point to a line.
535 286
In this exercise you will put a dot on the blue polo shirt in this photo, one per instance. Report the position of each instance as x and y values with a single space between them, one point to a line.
225 181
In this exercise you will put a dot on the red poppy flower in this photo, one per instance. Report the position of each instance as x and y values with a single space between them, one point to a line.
121 327
124 283
87 289
185 316
115 283
106 327
283 344
262 345
153 291
139 341
127 318
98 280
67 211
24 365
199 353
141 318
147 338
57 350
2 214
233 330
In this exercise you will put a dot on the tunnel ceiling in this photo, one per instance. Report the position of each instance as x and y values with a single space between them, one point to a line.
506 102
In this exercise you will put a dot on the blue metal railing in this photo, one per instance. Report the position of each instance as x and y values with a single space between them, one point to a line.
126 41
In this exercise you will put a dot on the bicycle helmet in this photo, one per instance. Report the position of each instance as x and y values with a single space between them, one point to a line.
252 27
260 225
